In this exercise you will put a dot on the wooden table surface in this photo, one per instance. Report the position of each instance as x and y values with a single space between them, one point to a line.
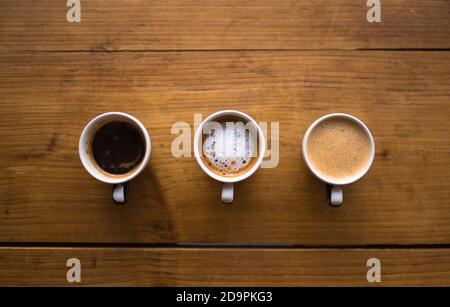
279 61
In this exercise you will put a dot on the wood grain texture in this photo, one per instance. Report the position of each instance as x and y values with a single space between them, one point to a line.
222 24
223 267
47 98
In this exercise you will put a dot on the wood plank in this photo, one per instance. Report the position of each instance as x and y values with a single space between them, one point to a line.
222 24
223 267
47 98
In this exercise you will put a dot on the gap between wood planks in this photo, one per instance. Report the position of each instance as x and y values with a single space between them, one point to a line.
218 245
225 50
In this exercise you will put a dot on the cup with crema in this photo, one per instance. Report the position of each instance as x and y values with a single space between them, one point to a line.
229 146
339 149
114 148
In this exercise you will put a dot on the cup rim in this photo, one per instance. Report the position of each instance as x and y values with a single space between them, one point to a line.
348 180
86 160
199 136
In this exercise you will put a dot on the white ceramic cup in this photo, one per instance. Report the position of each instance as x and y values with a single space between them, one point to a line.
119 182
227 188
334 187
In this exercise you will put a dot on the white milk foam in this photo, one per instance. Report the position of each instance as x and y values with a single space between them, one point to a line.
230 148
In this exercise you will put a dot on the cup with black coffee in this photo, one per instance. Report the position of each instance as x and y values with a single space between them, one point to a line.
229 146
114 148
339 149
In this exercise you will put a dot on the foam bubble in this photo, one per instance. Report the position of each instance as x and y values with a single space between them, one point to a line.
230 148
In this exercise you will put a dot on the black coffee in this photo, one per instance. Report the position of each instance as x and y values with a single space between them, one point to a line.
118 147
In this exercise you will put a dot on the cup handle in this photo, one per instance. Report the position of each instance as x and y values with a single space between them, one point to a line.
335 195
120 193
227 193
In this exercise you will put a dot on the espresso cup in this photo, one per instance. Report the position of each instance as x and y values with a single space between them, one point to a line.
336 138
216 168
134 135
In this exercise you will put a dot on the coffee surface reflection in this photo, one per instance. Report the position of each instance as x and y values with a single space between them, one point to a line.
118 147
